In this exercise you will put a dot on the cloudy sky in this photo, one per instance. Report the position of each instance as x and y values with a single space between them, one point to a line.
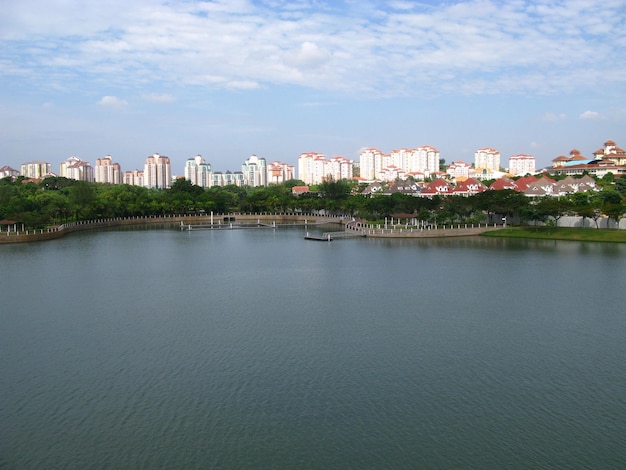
230 78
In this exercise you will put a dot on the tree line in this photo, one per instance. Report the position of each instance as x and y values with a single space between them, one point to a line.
57 200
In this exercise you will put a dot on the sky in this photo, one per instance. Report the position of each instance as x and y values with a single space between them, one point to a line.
228 79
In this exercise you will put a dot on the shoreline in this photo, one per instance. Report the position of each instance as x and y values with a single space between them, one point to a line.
219 220
225 221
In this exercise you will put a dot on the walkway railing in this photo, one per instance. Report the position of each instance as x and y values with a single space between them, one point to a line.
13 234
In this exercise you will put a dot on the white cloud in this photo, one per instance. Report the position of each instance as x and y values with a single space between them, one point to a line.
308 56
112 102
591 115
463 47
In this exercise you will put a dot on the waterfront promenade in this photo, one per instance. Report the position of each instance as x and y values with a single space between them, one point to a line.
414 231
13 234
234 220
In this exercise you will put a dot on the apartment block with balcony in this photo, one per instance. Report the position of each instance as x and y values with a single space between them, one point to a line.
487 160
198 171
254 170
76 169
521 164
134 177
36 169
279 172
107 171
157 172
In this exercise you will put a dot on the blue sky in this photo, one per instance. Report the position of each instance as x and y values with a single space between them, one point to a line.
230 78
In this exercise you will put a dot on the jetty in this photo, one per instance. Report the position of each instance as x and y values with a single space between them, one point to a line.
330 236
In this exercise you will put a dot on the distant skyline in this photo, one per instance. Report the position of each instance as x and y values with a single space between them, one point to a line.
227 79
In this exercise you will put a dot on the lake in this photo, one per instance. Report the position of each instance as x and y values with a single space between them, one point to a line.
259 349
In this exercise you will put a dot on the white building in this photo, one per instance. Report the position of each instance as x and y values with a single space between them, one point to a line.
376 165
424 159
311 166
157 172
224 179
461 169
279 172
134 178
392 173
76 169
8 171
198 171
339 168
371 163
107 171
521 164
254 170
314 168
487 159
36 169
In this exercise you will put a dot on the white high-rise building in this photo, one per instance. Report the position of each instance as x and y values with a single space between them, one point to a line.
134 178
198 171
339 168
460 170
487 159
374 163
76 169
314 168
254 170
157 172
279 172
424 159
311 166
520 165
371 161
35 169
107 171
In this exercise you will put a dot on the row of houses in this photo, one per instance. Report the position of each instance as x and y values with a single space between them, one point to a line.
531 186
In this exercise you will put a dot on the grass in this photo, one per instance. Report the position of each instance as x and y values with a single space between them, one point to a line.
561 233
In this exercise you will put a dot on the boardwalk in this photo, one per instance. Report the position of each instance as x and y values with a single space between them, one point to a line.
330 236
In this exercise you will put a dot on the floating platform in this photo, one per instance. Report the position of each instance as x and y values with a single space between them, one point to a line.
330 236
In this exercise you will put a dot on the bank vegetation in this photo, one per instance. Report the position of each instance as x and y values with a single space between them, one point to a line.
57 200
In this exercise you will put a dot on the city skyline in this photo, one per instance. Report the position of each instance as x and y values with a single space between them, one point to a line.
227 80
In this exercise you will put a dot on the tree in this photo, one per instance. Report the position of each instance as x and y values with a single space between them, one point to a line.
615 211
554 207
504 202
82 194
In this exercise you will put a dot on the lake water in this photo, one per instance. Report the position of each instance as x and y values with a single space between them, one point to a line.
258 349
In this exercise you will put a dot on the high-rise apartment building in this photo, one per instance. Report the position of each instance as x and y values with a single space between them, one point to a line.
487 159
254 170
460 170
157 172
371 163
36 169
314 168
107 171
198 171
279 172
76 169
339 168
311 167
134 178
374 163
520 165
